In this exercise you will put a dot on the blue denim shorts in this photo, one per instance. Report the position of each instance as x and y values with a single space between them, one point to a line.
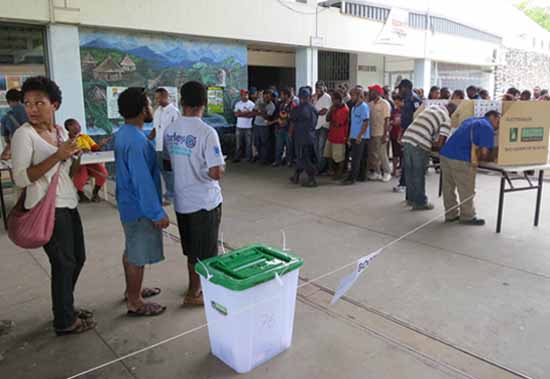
143 242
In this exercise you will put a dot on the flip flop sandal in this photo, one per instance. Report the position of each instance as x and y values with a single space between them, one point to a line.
147 293
194 301
83 314
147 310
84 326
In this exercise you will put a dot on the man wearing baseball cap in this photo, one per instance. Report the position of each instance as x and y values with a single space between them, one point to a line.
380 113
303 120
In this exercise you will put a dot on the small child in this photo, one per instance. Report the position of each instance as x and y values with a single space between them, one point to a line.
97 171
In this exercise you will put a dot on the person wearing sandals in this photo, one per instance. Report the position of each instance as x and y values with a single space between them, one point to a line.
39 149
139 199
197 161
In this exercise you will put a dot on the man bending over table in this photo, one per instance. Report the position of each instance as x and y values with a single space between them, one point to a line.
471 142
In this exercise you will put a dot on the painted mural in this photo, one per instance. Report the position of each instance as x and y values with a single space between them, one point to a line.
115 60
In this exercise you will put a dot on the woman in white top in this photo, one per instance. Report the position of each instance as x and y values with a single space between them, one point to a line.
39 148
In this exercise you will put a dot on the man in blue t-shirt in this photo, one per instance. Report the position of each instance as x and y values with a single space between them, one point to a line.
476 136
139 200
358 137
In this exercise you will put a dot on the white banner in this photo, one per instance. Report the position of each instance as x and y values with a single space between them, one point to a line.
396 29
349 280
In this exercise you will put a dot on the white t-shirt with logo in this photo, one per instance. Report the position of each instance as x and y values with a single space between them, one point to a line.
194 147
241 106
163 117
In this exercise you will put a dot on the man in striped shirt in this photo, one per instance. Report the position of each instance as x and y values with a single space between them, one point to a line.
428 131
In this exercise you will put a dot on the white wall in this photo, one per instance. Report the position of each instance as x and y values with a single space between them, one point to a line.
249 20
369 78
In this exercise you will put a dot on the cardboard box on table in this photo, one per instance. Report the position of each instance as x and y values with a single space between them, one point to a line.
522 138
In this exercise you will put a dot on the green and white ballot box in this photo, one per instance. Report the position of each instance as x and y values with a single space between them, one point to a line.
250 297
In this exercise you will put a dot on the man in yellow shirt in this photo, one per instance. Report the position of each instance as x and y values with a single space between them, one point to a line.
97 171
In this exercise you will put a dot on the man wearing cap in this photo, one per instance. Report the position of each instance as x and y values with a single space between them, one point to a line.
303 120
322 103
411 102
244 111
380 113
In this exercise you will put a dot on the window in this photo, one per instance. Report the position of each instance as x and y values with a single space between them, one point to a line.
22 54
334 67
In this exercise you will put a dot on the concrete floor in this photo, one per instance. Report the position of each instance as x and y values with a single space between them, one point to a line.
446 302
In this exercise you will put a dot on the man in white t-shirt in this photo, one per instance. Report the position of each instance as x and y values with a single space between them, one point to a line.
165 114
196 159
322 104
244 111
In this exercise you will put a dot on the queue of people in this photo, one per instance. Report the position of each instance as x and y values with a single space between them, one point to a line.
345 134
349 134
40 150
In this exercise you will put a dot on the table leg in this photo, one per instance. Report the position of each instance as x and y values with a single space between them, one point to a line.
539 197
501 203
3 204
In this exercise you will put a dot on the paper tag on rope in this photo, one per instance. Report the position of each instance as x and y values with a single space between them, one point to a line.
349 280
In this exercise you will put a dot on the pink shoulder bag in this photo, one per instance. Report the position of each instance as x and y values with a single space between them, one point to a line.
33 228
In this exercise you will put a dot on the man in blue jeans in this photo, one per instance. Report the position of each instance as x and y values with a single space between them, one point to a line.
282 144
411 102
418 141
322 103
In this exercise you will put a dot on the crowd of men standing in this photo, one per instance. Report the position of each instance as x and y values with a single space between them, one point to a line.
350 134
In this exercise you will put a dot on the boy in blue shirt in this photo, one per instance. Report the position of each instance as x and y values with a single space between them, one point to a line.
139 199
459 171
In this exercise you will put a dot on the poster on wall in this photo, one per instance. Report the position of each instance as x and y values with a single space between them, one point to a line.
111 59
112 101
481 107
215 100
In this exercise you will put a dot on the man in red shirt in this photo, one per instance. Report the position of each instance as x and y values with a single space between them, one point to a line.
335 149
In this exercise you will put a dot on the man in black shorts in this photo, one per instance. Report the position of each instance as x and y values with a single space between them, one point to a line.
196 159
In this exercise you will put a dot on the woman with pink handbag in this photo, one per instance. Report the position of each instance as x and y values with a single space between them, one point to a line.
46 214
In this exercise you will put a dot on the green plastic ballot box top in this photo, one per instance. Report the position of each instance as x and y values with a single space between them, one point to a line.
247 267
